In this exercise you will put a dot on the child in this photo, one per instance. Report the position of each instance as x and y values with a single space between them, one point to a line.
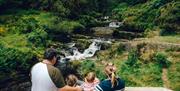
71 82
90 82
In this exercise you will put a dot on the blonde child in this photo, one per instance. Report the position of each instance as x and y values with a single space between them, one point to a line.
90 82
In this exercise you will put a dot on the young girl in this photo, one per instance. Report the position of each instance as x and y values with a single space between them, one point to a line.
71 82
90 82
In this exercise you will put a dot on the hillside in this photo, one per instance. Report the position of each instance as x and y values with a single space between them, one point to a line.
145 49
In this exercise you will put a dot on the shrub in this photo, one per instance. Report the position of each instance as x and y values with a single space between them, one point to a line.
167 31
23 25
169 16
145 75
125 35
15 60
121 48
38 37
150 33
2 30
90 66
162 60
88 21
87 66
68 27
133 59
134 2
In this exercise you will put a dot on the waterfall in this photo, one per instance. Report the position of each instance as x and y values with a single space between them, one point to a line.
89 52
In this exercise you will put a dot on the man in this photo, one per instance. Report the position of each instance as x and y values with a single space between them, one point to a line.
46 77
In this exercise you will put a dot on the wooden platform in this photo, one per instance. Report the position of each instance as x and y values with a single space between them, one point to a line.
146 89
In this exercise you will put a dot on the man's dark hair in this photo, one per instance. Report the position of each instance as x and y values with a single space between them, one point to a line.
50 53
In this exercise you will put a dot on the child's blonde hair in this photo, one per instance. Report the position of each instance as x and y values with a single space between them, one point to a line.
90 77
71 80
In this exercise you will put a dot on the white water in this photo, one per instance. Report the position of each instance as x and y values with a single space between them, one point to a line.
89 52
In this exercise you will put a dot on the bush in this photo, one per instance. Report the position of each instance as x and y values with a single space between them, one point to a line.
150 33
38 37
162 60
23 25
121 48
125 35
87 66
168 19
90 66
15 65
133 59
15 60
146 75
68 27
167 31
134 2
88 21
2 30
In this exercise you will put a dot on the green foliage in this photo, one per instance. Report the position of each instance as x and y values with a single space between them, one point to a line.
90 66
87 21
169 18
147 15
24 22
173 76
87 66
15 60
162 60
2 30
145 76
121 48
133 2
38 37
2 2
136 73
68 27
126 35
133 59
23 25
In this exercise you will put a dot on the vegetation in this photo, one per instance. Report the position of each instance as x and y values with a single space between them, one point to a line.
28 27
140 15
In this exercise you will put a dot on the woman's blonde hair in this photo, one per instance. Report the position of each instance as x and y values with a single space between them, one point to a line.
110 70
71 80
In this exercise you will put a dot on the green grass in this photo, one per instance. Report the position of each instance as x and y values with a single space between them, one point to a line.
174 76
175 39
146 75
15 41
19 41
174 71
25 21
170 39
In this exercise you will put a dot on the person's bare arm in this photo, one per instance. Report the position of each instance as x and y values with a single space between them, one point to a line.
69 88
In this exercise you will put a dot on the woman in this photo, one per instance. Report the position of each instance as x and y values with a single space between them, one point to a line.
112 83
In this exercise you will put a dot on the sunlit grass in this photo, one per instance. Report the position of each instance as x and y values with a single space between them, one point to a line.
169 39
14 41
19 41
174 71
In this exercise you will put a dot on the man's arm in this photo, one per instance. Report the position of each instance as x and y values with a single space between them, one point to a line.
69 88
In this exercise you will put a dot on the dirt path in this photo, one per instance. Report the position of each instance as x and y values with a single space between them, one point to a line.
165 78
